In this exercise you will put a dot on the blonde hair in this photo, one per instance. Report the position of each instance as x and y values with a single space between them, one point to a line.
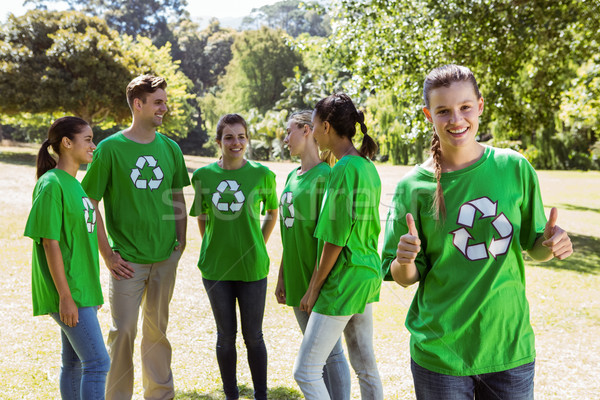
443 76
304 117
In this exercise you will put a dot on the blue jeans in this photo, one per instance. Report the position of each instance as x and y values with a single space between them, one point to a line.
85 361
320 337
336 372
251 300
512 384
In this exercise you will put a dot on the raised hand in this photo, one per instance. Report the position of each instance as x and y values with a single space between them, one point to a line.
556 238
409 244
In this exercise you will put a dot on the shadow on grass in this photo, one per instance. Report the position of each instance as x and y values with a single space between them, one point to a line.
17 158
572 207
277 393
585 257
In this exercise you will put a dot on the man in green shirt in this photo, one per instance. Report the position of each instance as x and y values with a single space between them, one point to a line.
140 174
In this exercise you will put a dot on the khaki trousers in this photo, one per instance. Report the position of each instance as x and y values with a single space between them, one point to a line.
152 288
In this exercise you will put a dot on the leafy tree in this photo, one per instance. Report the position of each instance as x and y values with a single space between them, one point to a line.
66 62
52 61
293 16
323 76
522 52
148 18
580 112
262 61
203 54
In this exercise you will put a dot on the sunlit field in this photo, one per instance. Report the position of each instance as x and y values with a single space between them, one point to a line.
564 298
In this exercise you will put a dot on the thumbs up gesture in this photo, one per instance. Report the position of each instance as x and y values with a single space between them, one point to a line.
556 239
410 244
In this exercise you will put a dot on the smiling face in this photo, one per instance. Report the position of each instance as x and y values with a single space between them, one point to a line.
233 142
82 147
153 109
454 112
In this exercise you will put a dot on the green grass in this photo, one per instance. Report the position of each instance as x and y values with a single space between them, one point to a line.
563 295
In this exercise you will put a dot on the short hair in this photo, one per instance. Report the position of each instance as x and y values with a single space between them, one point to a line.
143 85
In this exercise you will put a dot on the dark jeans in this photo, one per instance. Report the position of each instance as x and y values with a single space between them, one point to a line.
251 300
512 384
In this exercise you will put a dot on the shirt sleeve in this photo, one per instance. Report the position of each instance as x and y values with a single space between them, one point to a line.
45 217
337 213
181 177
395 227
97 175
533 218
269 193
199 205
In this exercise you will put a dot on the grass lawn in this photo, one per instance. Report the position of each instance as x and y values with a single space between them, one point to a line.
564 299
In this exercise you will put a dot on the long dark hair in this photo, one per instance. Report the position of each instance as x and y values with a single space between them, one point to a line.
443 76
339 110
62 127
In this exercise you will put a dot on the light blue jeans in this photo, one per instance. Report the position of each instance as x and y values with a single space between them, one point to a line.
320 337
85 361
336 373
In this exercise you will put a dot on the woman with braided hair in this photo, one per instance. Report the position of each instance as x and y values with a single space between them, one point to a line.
348 276
458 225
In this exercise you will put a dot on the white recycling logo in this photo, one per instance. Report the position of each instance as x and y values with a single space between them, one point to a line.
89 214
286 201
136 173
234 187
466 219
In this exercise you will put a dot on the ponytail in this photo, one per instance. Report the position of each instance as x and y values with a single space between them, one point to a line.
62 127
45 162
439 205
327 157
339 110
368 148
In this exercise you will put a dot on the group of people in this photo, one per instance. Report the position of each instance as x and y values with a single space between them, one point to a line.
457 225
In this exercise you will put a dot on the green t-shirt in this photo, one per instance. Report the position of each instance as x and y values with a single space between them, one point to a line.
62 211
470 314
233 246
350 218
136 181
299 208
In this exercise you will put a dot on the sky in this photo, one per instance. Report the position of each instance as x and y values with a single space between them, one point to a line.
197 8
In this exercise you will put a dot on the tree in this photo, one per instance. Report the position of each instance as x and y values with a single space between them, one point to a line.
147 18
293 16
66 62
54 61
262 61
522 52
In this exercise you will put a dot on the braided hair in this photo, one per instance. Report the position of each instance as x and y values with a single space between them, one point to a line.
443 76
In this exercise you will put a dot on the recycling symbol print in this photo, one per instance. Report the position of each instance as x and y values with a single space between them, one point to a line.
228 186
89 214
136 173
466 219
286 203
